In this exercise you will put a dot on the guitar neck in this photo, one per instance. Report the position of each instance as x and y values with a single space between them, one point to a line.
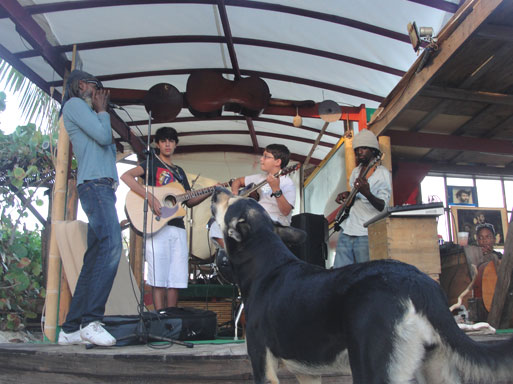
198 192
349 200
282 172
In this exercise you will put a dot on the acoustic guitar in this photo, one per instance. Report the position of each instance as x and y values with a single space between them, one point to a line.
171 196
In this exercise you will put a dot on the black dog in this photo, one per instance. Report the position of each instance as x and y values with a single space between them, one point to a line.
385 320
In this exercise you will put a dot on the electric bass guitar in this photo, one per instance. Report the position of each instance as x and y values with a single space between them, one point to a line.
171 196
343 213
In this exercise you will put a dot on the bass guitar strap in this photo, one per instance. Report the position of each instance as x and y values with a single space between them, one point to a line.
371 171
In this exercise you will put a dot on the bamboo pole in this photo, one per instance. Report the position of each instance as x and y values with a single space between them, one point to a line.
58 213
71 214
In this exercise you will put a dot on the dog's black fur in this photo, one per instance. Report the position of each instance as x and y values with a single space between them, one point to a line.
386 320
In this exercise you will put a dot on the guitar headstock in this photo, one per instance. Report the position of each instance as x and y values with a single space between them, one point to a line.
289 169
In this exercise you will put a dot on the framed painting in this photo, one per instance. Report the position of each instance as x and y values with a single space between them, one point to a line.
462 196
465 219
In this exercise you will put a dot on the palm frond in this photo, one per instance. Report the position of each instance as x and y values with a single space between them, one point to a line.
35 104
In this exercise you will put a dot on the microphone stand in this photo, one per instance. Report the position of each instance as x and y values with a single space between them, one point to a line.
142 333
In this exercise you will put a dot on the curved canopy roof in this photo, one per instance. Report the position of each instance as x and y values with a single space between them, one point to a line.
351 52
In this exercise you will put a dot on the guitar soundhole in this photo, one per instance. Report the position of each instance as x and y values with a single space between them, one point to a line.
169 201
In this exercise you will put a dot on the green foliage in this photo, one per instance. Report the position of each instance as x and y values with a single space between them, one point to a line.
25 165
21 280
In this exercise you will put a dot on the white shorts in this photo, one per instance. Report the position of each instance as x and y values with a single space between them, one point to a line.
167 256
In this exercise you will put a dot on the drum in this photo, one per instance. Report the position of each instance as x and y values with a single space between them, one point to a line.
223 266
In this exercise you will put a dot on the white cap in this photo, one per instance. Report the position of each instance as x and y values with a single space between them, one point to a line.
365 138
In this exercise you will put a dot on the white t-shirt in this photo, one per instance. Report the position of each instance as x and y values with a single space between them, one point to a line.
380 183
269 203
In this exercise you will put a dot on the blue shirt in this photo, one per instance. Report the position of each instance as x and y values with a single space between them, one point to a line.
91 136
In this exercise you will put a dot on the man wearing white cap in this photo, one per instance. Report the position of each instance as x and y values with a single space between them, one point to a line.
373 195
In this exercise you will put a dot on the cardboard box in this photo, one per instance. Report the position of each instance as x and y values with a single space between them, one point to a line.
410 239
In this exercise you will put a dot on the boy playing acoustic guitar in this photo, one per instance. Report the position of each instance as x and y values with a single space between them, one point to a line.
166 250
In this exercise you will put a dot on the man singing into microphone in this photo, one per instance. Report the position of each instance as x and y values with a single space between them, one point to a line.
88 125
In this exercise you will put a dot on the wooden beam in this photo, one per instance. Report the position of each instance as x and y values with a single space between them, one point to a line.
473 77
234 148
148 40
439 108
508 122
458 143
229 38
252 133
449 43
31 31
314 146
496 32
126 133
468 95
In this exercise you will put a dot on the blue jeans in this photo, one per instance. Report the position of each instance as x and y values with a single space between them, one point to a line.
351 250
101 258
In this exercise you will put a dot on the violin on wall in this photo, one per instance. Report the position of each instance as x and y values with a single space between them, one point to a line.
208 92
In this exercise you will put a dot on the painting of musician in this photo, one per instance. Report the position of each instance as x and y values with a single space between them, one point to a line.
457 195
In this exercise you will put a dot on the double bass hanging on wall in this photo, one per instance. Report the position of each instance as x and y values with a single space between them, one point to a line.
208 92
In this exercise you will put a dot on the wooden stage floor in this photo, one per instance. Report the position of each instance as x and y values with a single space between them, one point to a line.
205 363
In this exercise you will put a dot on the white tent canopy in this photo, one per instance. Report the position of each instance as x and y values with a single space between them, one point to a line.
352 52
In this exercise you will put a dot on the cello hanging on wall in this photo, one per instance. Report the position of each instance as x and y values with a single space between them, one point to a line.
208 92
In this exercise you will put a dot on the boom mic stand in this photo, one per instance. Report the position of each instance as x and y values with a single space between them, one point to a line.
141 333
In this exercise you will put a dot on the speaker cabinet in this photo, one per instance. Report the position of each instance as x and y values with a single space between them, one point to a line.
315 249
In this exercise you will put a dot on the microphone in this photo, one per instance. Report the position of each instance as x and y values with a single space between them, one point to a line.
113 106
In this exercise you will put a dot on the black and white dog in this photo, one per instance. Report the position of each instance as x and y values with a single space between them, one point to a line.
385 320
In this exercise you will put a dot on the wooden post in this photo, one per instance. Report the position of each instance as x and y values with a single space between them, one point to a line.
350 160
135 255
502 303
135 252
386 148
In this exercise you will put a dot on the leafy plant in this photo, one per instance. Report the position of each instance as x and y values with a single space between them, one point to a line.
21 280
25 166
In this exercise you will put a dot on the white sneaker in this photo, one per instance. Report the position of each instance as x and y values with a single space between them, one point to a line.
94 333
71 338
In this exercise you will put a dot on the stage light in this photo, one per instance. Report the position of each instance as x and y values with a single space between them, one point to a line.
417 35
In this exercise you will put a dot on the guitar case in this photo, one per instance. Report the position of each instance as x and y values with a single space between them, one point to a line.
183 324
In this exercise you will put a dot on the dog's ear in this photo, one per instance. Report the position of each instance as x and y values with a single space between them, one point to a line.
290 235
238 229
